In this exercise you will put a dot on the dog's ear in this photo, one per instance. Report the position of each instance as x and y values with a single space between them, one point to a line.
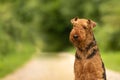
75 18
91 23
74 21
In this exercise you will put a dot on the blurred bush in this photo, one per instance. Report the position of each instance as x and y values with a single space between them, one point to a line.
114 43
48 22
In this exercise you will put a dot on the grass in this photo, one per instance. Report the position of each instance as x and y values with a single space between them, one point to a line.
112 60
14 60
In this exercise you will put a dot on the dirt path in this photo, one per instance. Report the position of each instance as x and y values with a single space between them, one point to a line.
59 68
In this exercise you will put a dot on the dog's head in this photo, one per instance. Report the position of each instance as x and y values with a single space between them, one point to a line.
82 31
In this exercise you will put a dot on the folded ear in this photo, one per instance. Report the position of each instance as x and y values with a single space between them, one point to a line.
91 23
74 21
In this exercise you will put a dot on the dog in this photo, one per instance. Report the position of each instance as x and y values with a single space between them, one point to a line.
88 64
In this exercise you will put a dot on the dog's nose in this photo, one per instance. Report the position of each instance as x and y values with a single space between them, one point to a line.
75 36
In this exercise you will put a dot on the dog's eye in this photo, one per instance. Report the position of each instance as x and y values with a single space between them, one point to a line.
84 27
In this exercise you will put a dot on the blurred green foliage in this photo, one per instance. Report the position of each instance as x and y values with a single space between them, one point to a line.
110 58
107 33
14 59
48 22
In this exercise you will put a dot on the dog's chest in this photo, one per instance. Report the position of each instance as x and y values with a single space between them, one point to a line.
84 66
87 69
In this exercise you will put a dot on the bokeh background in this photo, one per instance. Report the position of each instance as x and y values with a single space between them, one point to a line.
27 26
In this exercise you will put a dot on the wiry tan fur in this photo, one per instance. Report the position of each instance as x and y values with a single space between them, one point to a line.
88 63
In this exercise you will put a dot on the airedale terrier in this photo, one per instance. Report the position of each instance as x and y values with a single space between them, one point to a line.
88 64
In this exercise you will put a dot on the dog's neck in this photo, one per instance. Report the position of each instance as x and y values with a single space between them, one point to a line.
87 50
